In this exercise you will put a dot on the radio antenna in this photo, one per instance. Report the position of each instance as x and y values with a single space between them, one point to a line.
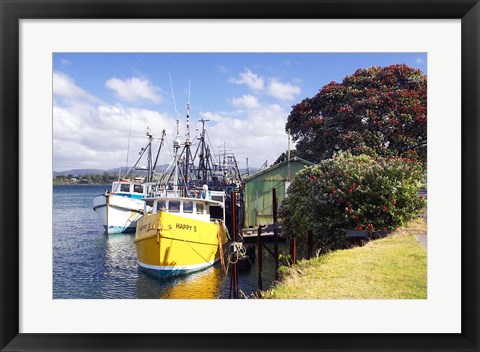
188 114
173 95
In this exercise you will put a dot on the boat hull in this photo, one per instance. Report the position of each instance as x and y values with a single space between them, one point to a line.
118 214
170 245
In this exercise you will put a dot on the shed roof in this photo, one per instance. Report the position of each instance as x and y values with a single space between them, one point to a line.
273 167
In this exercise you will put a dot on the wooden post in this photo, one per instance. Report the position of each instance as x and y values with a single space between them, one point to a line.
107 196
275 231
309 244
234 277
259 258
293 250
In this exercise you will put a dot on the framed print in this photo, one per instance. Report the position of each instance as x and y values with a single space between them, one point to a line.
82 80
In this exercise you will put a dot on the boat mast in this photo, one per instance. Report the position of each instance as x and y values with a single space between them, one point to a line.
149 156
176 146
187 141
203 162
128 145
158 153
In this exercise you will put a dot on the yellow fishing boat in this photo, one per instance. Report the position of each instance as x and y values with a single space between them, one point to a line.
179 236
183 227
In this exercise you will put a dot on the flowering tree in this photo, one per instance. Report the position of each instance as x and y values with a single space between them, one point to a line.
350 192
379 110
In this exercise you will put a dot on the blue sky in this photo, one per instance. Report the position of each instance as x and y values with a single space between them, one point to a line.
246 96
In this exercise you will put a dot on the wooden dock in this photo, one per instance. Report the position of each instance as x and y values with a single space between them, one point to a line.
251 234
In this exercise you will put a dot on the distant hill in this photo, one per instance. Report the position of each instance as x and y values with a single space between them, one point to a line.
115 171
78 172
121 170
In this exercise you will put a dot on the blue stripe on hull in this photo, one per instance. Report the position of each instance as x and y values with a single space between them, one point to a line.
119 229
167 273
129 195
164 274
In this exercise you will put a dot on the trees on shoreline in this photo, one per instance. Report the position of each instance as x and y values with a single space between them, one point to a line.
368 138
375 111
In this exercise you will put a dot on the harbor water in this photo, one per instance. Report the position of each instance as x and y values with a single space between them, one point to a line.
88 264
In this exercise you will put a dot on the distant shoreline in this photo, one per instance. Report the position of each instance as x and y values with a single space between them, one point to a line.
81 184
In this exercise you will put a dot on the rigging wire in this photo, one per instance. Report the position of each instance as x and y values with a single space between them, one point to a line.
210 149
129 135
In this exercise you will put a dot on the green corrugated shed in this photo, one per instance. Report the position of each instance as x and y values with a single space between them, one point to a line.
258 190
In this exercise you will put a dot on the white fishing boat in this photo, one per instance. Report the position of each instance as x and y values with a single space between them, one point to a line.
120 208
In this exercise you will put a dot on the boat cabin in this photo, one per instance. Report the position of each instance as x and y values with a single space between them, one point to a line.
198 208
130 189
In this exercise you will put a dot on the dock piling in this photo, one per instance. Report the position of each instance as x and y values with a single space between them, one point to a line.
260 258
309 244
234 271
275 231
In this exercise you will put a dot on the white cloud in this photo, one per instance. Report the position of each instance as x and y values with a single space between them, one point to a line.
246 101
65 62
275 88
89 133
97 136
135 89
259 134
222 69
252 80
65 88
419 60
282 91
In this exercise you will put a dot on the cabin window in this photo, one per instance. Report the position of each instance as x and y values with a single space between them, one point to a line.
174 206
199 208
217 198
161 205
138 188
188 207
124 187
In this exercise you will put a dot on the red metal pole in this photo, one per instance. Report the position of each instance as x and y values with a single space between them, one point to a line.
234 238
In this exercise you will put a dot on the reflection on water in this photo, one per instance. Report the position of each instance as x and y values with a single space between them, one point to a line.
88 264
203 285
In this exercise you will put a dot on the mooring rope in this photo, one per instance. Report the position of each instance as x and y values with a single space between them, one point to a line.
236 252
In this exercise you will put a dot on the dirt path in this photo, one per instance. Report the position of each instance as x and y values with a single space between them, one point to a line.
422 237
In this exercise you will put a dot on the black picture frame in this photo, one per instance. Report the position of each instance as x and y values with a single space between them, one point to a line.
11 11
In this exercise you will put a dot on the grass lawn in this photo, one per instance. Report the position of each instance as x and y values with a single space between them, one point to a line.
394 267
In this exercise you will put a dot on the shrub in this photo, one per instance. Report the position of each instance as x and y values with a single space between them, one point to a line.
350 192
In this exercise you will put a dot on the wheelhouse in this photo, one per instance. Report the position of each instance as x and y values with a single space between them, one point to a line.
198 208
130 189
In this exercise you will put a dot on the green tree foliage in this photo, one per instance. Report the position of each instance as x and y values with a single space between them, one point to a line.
105 177
379 110
284 156
349 192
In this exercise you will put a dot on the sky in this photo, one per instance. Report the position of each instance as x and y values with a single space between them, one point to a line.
103 103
